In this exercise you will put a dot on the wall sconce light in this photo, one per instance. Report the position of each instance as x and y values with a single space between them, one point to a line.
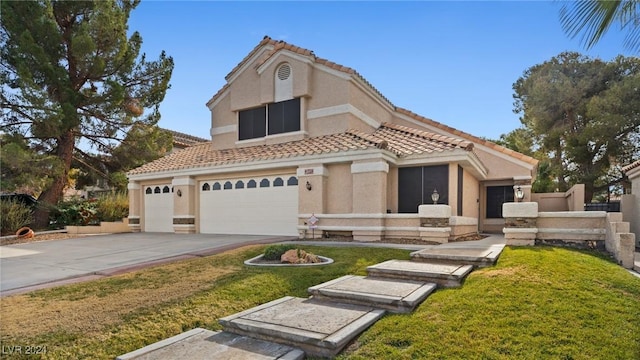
519 193
308 186
435 196
179 193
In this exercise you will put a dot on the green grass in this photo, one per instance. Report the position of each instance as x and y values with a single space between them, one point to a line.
537 303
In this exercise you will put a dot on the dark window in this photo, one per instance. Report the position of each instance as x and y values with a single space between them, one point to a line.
252 123
148 191
156 190
284 116
165 190
239 184
206 187
264 183
496 196
416 184
251 184
460 184
228 185
292 181
278 182
216 186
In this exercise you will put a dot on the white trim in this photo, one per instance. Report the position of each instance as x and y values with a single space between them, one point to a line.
520 178
317 170
340 110
184 226
133 217
344 228
266 138
435 229
223 129
519 230
134 185
183 180
344 216
184 217
573 214
378 166
222 95
286 53
249 62
402 228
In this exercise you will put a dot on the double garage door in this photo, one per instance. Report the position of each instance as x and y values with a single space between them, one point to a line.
252 206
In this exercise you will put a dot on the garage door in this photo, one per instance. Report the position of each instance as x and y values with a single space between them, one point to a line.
158 209
254 206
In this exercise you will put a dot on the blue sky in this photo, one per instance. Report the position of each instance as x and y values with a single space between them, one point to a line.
454 62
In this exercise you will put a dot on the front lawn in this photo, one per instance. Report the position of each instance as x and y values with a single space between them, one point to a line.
536 303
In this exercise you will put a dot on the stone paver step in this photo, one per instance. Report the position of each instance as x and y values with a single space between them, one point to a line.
476 256
319 328
394 295
445 275
206 344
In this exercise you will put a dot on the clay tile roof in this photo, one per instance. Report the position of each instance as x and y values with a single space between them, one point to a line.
185 140
278 45
631 166
400 140
469 137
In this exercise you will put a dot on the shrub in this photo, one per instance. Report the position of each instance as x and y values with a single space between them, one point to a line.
75 212
113 207
15 215
274 252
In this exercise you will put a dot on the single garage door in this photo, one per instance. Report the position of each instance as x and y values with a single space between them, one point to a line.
158 209
252 206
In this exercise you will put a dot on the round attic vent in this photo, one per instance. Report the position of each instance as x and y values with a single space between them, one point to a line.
284 71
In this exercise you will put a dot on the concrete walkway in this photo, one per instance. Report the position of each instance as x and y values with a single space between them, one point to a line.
32 266
336 312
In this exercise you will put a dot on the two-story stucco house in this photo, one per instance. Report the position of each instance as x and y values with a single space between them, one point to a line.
295 135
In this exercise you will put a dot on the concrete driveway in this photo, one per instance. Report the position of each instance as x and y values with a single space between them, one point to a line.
31 266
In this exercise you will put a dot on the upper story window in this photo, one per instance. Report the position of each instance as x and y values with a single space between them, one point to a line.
252 123
275 118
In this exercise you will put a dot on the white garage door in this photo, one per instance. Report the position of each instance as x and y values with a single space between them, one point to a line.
254 206
158 209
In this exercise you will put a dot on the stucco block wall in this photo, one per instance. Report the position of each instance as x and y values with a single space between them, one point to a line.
392 189
339 189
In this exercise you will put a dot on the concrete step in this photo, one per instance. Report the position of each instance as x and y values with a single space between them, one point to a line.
445 275
393 295
206 344
476 256
319 328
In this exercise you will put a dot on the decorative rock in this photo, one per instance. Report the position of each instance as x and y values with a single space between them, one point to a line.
297 256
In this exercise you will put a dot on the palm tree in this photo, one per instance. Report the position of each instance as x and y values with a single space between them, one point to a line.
593 18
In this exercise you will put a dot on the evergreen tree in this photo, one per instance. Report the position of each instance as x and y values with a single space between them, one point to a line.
72 78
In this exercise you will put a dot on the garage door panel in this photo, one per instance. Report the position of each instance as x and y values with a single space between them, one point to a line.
158 210
255 211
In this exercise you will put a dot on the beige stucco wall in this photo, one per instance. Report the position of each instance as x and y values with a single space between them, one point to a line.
392 189
339 189
632 204
470 195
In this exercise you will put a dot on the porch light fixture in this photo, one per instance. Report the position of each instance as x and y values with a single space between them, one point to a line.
435 196
308 186
519 193
179 193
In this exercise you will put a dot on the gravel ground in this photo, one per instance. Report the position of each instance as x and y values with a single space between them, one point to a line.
37 237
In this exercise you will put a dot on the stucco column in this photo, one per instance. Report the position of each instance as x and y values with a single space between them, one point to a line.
369 196
312 196
524 183
520 223
135 195
184 209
